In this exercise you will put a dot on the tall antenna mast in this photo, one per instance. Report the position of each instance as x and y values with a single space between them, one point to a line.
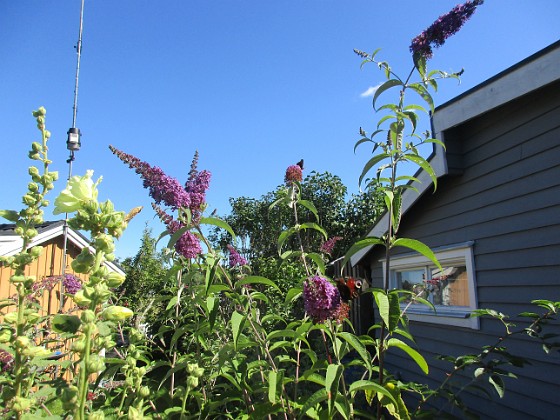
73 144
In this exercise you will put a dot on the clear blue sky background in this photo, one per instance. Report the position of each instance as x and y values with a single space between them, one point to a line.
253 85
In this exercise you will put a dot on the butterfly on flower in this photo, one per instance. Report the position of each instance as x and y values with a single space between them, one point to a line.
349 288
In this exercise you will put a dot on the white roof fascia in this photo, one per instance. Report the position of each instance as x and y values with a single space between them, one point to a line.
14 244
523 78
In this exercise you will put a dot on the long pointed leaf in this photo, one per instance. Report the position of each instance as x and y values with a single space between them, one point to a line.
419 247
417 357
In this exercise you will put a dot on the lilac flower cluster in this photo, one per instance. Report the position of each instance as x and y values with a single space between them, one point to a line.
444 27
294 173
48 283
196 187
235 259
71 284
321 299
188 244
328 246
169 191
163 189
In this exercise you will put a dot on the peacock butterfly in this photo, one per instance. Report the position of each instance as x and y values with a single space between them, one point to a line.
349 288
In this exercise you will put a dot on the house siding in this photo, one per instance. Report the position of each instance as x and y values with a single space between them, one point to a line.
48 264
503 193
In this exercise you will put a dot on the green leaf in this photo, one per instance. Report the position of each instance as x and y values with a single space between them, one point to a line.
382 302
364 243
283 237
316 227
367 385
66 323
318 260
423 92
425 165
212 309
257 280
498 384
357 345
10 215
237 322
417 357
314 399
370 164
332 378
272 386
385 86
394 311
215 221
293 294
309 206
176 236
419 247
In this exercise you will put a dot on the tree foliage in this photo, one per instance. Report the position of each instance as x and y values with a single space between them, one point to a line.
256 222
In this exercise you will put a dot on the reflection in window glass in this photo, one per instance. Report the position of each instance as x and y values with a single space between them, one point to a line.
447 287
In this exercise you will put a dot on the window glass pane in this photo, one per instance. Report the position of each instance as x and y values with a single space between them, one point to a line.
449 287
413 280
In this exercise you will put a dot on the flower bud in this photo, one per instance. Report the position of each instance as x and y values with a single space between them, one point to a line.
115 280
117 313
29 199
80 299
21 404
22 342
10 318
36 251
95 364
144 392
192 382
87 316
5 335
79 345
96 415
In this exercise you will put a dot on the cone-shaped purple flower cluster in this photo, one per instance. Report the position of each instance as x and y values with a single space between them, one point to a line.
163 189
235 259
328 246
169 191
321 299
444 27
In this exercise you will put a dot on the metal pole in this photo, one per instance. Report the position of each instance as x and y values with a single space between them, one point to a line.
71 157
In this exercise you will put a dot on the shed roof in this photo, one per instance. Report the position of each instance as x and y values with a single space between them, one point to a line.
11 244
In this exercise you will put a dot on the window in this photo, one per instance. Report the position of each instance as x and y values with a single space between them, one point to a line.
451 290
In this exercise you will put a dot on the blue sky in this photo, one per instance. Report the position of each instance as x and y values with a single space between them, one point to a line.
253 85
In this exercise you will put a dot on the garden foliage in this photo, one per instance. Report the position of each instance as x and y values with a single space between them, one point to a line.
221 346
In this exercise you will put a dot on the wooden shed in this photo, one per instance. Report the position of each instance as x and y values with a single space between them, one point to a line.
50 263
494 223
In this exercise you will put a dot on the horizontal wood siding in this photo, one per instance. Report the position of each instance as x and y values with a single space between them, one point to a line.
507 200
48 264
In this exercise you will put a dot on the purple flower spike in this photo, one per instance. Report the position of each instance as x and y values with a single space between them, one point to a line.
163 189
328 246
234 258
444 27
321 299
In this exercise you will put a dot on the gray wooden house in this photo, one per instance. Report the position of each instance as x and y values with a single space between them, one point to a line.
494 223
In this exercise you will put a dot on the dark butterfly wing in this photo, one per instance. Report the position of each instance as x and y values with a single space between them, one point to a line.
349 288
300 164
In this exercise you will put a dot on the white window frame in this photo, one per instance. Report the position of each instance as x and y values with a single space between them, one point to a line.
448 315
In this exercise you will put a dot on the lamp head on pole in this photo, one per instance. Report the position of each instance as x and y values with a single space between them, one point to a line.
73 143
